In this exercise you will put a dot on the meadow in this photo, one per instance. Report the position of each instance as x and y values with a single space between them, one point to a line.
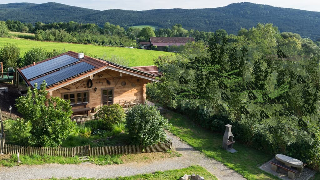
143 26
135 57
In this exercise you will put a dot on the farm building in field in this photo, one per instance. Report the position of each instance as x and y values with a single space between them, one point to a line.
164 43
144 45
88 82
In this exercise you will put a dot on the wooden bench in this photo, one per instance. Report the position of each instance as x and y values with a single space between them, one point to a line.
84 109
291 172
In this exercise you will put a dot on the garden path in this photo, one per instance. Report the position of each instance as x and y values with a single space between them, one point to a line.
189 157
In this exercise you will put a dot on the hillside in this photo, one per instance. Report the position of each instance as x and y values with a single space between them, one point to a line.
133 57
231 18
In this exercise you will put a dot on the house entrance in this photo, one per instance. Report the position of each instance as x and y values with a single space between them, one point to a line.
107 96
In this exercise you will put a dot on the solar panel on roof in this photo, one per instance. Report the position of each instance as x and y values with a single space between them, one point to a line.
63 74
48 66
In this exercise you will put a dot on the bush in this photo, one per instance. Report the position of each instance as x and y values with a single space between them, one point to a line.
49 118
145 125
18 130
84 131
94 124
110 115
4 31
9 55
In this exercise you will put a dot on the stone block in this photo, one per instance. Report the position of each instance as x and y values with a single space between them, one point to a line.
274 167
291 175
185 177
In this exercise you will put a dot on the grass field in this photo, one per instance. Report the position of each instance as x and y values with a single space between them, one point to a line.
142 26
135 57
22 35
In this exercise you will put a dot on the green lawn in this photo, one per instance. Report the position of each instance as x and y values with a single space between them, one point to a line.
163 175
22 35
136 57
143 26
38 160
246 161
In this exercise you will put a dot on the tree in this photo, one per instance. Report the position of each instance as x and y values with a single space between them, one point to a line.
178 31
34 55
4 31
146 33
9 55
133 32
49 117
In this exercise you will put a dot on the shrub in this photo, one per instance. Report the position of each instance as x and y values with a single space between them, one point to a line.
84 131
110 115
19 131
4 31
49 117
145 125
94 124
9 55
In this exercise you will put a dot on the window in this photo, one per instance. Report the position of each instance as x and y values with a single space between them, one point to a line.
77 98
107 96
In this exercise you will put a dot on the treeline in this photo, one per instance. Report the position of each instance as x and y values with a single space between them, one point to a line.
263 82
231 18
11 57
109 34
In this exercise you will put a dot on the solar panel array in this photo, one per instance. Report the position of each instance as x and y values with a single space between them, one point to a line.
63 74
48 66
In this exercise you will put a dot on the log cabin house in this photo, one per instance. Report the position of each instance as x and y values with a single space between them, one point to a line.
89 82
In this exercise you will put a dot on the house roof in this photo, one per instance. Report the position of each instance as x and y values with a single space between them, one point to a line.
67 68
144 43
170 41
150 69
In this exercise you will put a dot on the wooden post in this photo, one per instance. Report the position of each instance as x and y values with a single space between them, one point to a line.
144 93
14 78
1 69
17 78
2 134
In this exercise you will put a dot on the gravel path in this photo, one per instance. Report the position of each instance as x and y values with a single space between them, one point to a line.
189 157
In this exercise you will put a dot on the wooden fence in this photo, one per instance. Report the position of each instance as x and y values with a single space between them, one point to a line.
7 116
85 150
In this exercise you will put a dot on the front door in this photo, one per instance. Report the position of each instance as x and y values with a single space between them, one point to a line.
107 96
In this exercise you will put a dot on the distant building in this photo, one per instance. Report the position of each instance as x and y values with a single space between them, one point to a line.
162 43
144 45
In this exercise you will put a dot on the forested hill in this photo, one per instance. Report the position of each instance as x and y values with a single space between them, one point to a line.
231 18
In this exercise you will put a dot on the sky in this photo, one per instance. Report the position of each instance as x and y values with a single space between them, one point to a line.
310 5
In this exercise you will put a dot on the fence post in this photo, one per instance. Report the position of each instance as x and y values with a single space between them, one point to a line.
89 150
1 134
